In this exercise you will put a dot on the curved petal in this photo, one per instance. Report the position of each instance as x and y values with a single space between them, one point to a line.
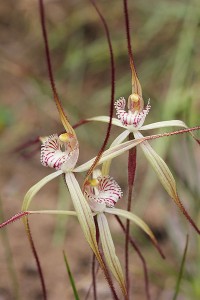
109 251
132 217
111 153
53 212
117 141
177 123
165 176
34 189
84 214
106 119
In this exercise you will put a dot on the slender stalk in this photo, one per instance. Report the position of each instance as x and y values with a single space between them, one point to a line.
91 285
111 112
131 178
63 117
30 238
94 262
134 245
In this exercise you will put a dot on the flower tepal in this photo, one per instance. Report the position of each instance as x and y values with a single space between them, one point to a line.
60 152
103 190
136 112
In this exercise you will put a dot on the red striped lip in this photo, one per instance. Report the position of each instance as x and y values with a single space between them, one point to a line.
108 192
135 119
52 155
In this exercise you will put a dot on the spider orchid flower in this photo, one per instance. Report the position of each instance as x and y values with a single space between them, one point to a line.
61 153
132 121
102 193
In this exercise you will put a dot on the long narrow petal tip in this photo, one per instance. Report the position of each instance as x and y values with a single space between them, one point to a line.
159 248
14 218
184 211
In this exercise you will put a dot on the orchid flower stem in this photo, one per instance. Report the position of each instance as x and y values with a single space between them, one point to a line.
134 245
131 177
94 277
94 262
30 238
91 285
112 66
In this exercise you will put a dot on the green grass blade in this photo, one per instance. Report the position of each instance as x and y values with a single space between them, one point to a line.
73 285
180 275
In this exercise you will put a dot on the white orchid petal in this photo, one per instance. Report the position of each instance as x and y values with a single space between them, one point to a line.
53 212
117 141
132 217
165 176
34 189
177 123
84 214
109 251
106 119
110 154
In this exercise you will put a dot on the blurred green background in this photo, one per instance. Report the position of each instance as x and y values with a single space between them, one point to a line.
166 42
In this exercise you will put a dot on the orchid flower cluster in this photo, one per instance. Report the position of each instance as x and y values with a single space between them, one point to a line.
101 192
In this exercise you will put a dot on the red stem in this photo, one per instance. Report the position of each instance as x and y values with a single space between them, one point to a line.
28 231
112 65
14 218
134 245
94 262
131 177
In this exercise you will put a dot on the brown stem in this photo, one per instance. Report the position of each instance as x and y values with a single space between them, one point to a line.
134 245
29 235
112 65
131 178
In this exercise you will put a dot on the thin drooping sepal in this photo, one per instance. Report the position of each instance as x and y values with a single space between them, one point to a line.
136 87
84 213
63 117
135 219
111 112
35 189
165 176
109 251
86 219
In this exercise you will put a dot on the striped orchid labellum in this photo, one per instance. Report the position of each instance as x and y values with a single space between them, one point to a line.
102 192
60 152
136 114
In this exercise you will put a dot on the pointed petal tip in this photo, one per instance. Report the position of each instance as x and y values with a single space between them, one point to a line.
14 218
